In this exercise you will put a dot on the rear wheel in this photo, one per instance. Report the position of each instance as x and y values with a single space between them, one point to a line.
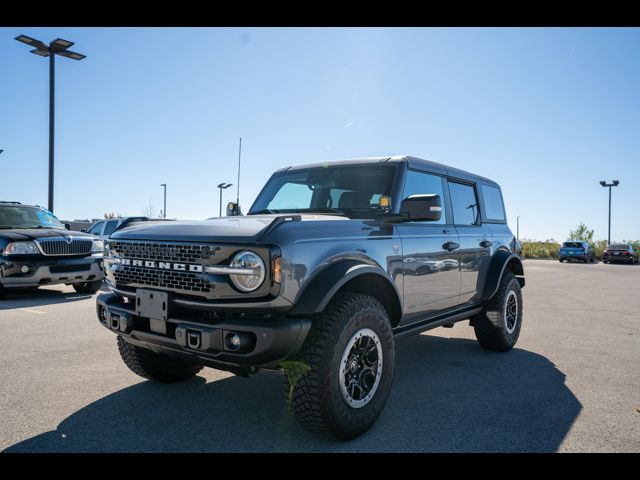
87 287
346 368
497 327
155 366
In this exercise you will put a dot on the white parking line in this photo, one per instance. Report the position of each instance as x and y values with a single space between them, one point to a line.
30 310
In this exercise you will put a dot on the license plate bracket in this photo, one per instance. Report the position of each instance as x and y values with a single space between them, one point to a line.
152 304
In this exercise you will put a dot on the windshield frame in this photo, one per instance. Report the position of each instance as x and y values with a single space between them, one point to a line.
397 171
38 223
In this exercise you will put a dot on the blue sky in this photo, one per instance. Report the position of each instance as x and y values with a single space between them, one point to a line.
546 112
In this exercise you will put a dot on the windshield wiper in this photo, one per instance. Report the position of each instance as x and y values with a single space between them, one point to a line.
266 210
327 210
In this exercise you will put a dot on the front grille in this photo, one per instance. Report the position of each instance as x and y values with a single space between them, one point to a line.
59 246
186 281
165 252
179 281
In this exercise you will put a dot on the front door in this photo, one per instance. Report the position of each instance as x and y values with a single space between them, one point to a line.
431 277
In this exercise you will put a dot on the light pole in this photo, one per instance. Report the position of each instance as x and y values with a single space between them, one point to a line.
56 47
164 212
612 184
222 186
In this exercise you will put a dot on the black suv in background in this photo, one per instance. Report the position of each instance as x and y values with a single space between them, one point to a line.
620 252
36 250
333 262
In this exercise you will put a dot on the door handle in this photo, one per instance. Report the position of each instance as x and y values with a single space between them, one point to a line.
446 232
450 245
486 243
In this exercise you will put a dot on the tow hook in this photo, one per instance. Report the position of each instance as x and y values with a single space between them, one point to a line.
194 339
118 322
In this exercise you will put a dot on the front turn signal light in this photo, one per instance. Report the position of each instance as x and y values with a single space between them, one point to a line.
277 270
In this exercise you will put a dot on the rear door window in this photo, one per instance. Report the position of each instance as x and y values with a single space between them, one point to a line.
464 204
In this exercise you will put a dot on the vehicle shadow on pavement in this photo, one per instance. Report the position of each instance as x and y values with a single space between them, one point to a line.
25 298
448 395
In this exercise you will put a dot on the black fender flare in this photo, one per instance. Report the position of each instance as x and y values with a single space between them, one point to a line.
321 288
502 259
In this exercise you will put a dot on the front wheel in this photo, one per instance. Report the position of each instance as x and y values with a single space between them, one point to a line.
497 327
87 287
346 366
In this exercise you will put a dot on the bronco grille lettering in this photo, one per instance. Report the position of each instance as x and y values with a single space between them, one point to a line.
181 267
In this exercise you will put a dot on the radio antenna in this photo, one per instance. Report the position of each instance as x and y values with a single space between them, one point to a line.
238 184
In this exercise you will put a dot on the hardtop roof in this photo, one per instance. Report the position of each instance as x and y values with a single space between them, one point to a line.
413 162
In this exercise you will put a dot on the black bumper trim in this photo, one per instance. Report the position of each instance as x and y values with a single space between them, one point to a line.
270 340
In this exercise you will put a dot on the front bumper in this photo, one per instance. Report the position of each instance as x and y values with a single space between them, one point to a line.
50 271
265 341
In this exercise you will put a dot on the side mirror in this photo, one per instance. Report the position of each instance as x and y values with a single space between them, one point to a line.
67 226
421 208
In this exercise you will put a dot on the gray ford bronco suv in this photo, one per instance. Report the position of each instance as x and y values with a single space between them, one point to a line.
333 262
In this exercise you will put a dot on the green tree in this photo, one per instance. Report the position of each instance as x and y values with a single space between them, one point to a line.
582 232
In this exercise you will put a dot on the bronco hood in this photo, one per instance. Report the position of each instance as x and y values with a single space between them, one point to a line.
242 229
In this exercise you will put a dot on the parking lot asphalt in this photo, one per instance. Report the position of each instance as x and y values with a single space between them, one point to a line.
571 384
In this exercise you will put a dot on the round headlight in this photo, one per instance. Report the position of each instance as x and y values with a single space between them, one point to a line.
255 271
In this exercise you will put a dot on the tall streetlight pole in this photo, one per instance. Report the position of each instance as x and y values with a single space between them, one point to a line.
164 212
56 47
222 186
612 184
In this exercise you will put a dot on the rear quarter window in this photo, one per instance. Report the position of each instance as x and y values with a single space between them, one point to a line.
493 206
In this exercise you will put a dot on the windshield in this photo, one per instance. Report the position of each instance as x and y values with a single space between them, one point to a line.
618 247
27 217
351 190
573 245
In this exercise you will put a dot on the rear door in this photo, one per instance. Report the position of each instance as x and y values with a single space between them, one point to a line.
430 271
474 243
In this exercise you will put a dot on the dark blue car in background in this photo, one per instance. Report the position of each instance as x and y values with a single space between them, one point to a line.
576 250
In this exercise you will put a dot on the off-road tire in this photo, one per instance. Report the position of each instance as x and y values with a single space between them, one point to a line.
316 399
87 287
155 366
490 325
